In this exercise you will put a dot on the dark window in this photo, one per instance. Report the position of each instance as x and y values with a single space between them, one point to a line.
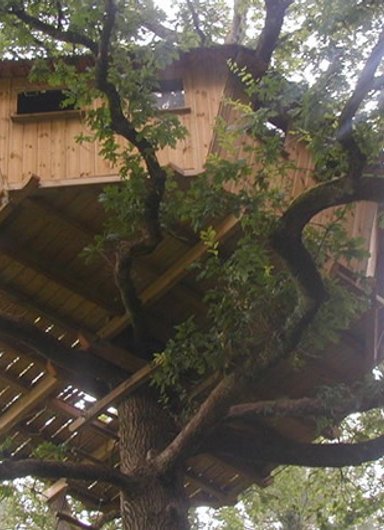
170 94
41 101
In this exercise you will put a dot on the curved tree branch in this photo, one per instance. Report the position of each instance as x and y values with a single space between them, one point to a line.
287 239
11 469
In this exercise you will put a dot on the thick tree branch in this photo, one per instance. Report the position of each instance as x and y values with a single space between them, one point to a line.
238 23
210 412
287 240
155 184
269 447
359 398
11 469
71 37
274 19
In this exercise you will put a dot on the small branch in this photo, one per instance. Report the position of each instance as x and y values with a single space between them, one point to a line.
365 83
62 516
57 33
154 26
196 22
11 469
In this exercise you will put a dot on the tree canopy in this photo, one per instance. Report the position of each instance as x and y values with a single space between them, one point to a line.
301 69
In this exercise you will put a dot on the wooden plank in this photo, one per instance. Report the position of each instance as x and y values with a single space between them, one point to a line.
83 181
26 403
122 390
55 489
167 280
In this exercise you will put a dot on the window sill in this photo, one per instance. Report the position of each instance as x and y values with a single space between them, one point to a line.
76 114
176 110
45 116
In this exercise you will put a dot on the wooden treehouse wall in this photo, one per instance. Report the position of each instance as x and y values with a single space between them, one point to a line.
361 220
45 146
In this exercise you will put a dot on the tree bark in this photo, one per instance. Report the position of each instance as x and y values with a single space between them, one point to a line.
146 428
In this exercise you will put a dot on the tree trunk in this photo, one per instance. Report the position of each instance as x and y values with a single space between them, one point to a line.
145 427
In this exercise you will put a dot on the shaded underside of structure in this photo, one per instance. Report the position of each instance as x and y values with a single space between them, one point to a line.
45 280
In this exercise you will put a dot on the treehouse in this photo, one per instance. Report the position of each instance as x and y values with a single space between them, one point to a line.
50 211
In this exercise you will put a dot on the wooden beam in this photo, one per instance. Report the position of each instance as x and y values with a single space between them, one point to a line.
167 280
110 352
26 403
55 274
122 390
73 412
55 489
30 303
81 181
213 490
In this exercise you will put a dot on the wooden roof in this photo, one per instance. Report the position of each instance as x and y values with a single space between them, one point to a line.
45 280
